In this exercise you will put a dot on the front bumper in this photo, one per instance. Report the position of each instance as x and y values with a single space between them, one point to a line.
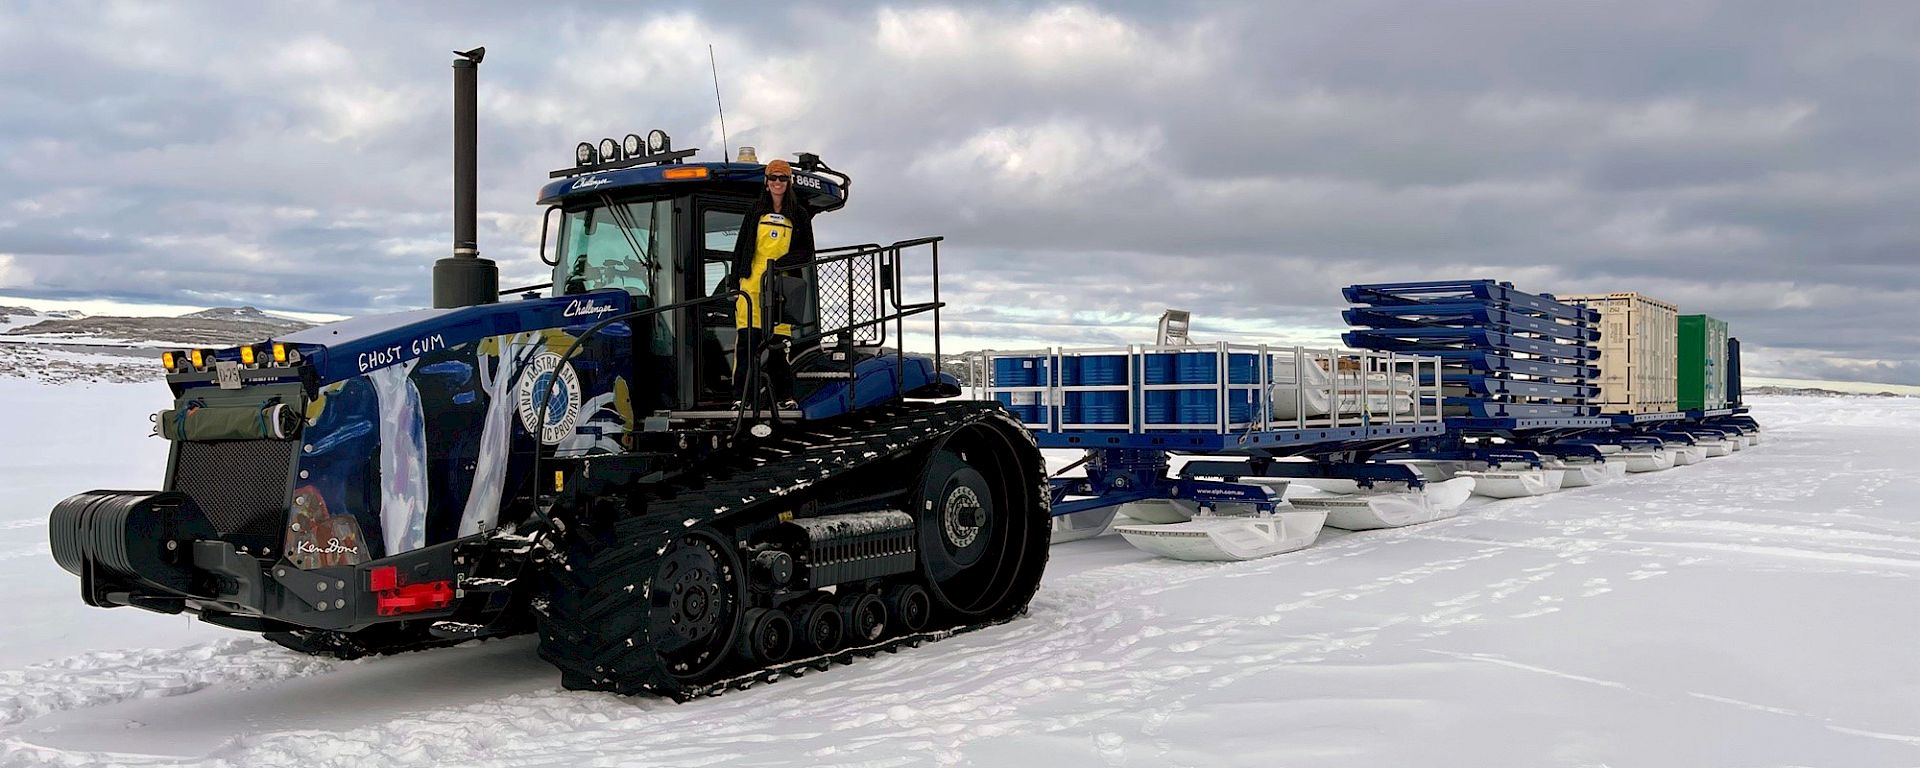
157 550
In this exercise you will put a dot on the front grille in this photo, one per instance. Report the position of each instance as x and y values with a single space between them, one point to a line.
240 484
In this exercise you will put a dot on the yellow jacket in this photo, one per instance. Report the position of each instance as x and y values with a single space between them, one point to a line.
773 237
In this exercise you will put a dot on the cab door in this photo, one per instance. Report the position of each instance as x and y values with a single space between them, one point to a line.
717 222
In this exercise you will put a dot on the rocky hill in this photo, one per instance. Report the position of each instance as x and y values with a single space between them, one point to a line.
217 327
66 346
1814 392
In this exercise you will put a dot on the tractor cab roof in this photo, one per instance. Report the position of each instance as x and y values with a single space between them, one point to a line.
821 193
641 169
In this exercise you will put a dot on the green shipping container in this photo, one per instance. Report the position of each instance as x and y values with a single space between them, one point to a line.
1703 363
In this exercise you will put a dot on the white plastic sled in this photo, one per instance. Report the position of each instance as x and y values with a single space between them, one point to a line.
1712 448
1211 537
1431 470
1081 525
1392 508
1161 511
1582 474
1687 454
1515 483
1168 511
1648 461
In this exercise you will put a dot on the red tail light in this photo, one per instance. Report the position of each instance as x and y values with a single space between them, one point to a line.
383 578
414 598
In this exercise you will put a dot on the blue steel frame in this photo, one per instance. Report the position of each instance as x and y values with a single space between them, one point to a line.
1635 419
1124 468
1129 467
1131 463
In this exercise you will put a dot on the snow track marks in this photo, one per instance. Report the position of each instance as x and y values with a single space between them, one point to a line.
106 677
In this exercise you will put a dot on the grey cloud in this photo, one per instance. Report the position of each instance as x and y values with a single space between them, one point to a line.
1088 164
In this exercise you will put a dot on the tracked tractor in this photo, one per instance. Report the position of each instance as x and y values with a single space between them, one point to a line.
568 458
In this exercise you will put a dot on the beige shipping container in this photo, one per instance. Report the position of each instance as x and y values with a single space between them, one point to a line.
1639 352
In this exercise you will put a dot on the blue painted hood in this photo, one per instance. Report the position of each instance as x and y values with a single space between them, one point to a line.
350 348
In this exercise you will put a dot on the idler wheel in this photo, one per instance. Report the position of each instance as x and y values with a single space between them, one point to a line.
910 605
866 617
974 525
769 636
821 628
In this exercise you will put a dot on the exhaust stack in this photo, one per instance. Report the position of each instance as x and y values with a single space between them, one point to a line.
464 279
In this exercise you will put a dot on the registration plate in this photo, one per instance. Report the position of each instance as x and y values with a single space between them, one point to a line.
226 374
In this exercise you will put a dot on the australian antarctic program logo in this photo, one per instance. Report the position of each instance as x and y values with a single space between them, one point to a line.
553 421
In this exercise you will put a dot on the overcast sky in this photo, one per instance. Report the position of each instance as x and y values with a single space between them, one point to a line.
1088 164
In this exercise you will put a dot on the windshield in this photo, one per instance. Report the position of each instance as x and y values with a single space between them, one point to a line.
614 246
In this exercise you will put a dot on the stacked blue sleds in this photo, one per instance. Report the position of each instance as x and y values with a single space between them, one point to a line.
1520 380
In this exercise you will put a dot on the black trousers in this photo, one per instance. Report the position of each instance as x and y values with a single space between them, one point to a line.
774 368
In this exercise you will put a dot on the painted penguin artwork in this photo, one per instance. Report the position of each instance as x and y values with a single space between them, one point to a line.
378 478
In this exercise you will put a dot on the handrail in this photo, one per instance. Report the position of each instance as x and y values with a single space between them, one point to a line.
888 298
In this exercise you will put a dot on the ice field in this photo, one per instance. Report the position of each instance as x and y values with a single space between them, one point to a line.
1756 609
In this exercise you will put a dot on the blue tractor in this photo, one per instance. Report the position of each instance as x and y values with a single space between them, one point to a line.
575 464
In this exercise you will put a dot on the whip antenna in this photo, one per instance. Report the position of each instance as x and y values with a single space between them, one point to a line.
725 151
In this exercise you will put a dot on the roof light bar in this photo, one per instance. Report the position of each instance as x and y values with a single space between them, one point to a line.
630 151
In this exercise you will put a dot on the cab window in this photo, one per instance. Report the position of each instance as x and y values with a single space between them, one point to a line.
615 246
720 230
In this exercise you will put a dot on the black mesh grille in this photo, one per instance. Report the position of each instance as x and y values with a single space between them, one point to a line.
240 484
850 297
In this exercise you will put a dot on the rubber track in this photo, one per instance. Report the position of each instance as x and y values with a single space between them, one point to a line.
776 471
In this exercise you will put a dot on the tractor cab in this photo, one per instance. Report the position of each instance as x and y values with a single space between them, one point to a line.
642 218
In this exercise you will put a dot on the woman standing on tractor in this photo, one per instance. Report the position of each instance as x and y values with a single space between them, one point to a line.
775 240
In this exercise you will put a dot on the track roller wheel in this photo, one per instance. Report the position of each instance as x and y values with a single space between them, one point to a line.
820 628
866 617
768 637
910 606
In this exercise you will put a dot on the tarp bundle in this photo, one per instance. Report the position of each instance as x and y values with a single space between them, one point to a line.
271 420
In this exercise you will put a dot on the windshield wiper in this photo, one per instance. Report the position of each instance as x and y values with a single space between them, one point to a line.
624 218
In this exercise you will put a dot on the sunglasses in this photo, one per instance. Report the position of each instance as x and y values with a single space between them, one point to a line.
777 177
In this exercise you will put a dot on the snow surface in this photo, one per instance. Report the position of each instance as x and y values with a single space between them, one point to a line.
1757 609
